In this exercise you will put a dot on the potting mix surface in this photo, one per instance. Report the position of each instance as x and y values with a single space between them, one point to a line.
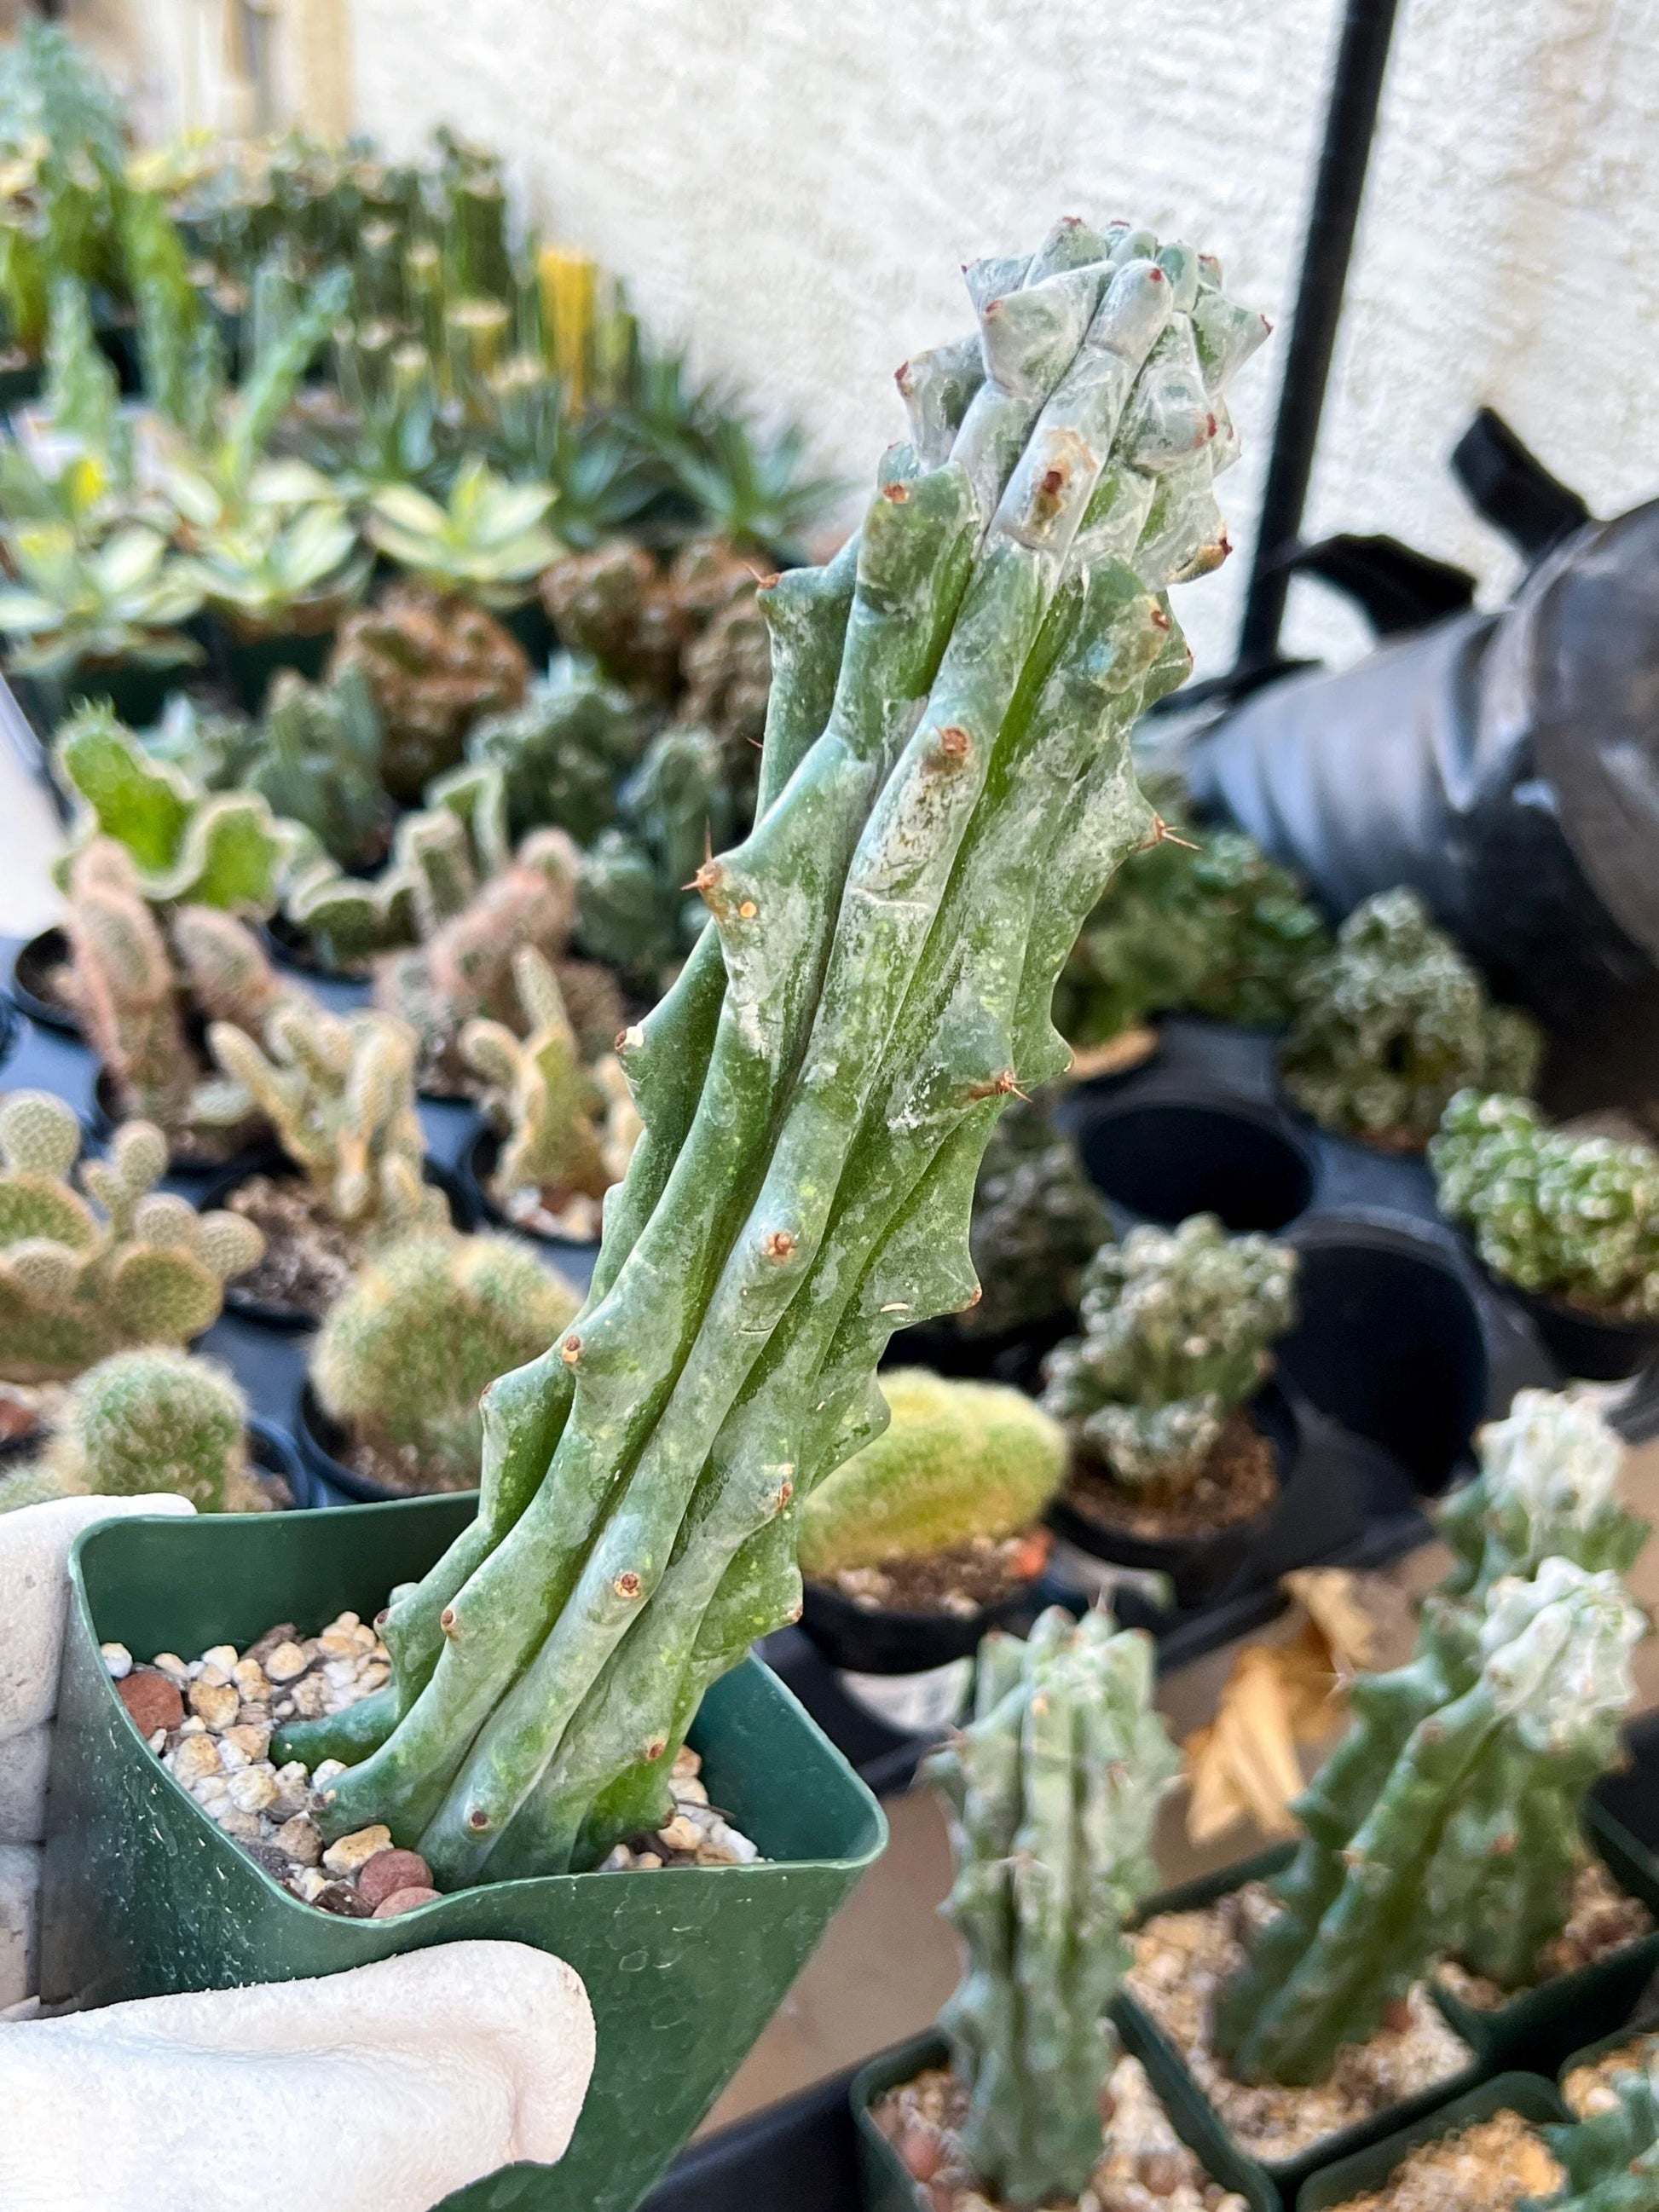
959 1582
309 1257
1237 1482
1182 1959
1602 1919
1493 2166
1589 2090
210 1720
1145 2166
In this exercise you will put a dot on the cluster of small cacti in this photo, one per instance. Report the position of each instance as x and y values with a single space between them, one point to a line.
1392 1022
84 1271
1176 1329
945 790
428 1323
1575 1218
567 1129
1052 1789
148 1420
1037 1221
957 1460
563 753
1201 921
337 1092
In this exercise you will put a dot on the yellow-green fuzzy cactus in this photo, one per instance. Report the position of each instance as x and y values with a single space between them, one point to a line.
124 986
567 1133
339 1091
958 1460
82 1275
155 1419
429 1324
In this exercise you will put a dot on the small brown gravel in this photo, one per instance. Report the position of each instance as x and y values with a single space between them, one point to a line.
309 1256
1181 1961
1490 2167
1602 1919
1145 2166
960 1581
1238 1482
1589 2090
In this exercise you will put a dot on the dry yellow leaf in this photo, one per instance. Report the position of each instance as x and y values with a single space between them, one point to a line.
1329 1596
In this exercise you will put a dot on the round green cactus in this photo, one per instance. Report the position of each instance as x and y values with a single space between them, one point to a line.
1392 1022
1575 1218
958 1460
155 1419
1176 1324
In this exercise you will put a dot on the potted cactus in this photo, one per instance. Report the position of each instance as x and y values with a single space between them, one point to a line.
945 788
1570 1222
1303 2014
488 544
673 811
933 1534
279 582
1391 1022
1180 1451
390 1407
564 753
558 1131
1025 2096
99 621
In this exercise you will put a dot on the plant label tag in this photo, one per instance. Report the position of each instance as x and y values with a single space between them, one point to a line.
914 1705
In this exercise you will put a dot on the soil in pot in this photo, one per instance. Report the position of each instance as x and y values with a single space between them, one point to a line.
209 1721
1603 1918
1143 2162
1181 1960
1238 1484
957 1584
309 1256
190 1151
369 1467
1490 2166
43 981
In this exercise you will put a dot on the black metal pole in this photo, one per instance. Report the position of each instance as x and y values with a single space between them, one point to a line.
1350 123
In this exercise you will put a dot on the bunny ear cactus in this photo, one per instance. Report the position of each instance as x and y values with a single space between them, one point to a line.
155 1419
1053 1790
80 1276
1447 1820
1176 1324
945 788
1393 1021
1571 1217
124 986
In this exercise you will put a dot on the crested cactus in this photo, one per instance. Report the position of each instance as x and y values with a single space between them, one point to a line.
563 753
1176 1324
150 1419
1053 1790
1392 1022
338 1092
958 1460
945 789
1445 1821
635 911
82 1275
428 1323
435 664
1037 1221
568 1130
1572 1217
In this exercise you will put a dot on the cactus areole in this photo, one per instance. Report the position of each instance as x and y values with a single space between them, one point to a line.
945 788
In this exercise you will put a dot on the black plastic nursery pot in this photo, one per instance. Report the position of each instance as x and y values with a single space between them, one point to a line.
277 1469
1014 1356
860 1641
251 663
530 625
1365 2171
1201 1565
1389 1340
31 969
11 1029
684 1967
1589 1346
271 1160
320 1440
800 2155
474 1168
887 2186
1194 2116
183 1163
1168 1149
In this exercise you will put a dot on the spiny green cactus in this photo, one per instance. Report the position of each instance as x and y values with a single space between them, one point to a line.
569 1130
223 849
314 756
1201 921
1611 2158
1176 1324
563 752
338 1091
1037 1221
1054 1788
126 1264
946 789
1445 1821
145 1420
958 1460
635 910
1575 1218
428 1325
1393 1021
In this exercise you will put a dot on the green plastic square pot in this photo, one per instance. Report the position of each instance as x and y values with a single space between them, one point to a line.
888 2187
143 1895
1537 2029
1194 2116
1530 2095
